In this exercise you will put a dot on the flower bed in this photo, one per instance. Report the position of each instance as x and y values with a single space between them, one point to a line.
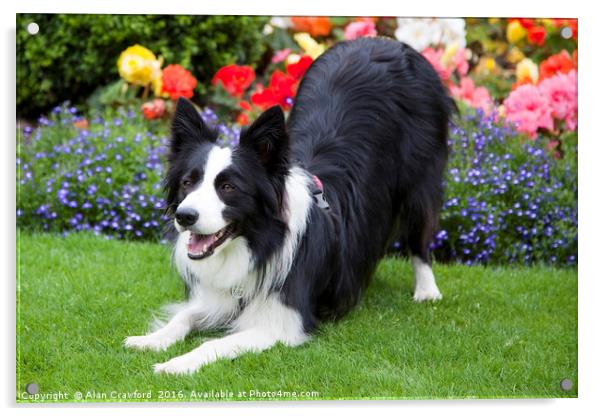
512 178
505 200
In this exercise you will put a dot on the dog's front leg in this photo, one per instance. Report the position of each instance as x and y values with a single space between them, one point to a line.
175 330
261 325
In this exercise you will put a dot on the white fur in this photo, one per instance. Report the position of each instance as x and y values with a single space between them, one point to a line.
229 266
425 285
298 204
204 199
262 324
265 320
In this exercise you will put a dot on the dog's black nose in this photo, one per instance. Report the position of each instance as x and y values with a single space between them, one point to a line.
186 216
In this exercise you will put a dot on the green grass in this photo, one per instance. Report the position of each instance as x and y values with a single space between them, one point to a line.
498 332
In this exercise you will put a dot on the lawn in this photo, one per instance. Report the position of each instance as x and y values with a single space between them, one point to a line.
498 332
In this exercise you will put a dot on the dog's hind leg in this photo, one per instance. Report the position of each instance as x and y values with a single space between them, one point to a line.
421 229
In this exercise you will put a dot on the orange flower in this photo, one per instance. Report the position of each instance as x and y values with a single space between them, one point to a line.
315 26
178 82
561 62
536 35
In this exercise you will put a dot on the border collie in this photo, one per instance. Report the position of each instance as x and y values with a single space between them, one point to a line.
285 230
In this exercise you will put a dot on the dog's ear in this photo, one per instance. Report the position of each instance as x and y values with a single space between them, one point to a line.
268 138
188 126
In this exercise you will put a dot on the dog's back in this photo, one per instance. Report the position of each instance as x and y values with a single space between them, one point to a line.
370 121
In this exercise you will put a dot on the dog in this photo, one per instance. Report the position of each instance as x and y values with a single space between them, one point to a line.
285 230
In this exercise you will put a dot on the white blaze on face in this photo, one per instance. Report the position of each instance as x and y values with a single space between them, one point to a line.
204 198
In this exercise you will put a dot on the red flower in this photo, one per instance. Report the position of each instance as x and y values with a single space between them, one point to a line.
526 23
178 82
298 69
234 79
561 62
536 35
81 124
242 119
315 26
153 109
245 105
280 92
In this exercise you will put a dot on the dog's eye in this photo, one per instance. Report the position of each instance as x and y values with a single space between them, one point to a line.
186 183
227 187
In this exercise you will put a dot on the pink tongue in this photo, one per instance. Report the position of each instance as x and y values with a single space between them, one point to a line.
200 243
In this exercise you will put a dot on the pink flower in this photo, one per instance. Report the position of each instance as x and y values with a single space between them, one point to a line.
281 55
560 91
529 109
475 97
153 109
460 62
364 28
434 58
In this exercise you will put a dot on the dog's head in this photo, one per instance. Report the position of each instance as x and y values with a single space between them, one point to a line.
219 194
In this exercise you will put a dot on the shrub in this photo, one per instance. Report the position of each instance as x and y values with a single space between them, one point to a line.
74 54
105 178
507 198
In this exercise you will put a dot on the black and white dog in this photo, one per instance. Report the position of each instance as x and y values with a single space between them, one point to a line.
262 251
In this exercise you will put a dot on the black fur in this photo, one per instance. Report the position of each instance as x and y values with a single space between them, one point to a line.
371 121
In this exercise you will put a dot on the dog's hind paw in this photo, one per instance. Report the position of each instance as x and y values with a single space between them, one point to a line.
147 342
428 294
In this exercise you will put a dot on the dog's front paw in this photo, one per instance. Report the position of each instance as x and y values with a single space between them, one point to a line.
427 294
184 364
147 342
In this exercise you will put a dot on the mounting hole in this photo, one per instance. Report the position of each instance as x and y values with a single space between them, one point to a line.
566 384
32 388
33 28
566 32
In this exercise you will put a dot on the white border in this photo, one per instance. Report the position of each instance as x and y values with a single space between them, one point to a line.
589 189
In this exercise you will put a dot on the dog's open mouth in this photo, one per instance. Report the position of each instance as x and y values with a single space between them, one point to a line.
203 245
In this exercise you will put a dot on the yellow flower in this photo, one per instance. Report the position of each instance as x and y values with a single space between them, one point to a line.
527 71
486 66
137 65
157 85
515 32
449 53
309 45
490 64
515 55
493 20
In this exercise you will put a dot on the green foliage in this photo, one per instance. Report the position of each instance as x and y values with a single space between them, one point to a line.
73 55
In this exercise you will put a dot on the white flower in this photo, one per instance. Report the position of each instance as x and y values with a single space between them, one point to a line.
415 32
453 32
268 29
423 32
281 22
